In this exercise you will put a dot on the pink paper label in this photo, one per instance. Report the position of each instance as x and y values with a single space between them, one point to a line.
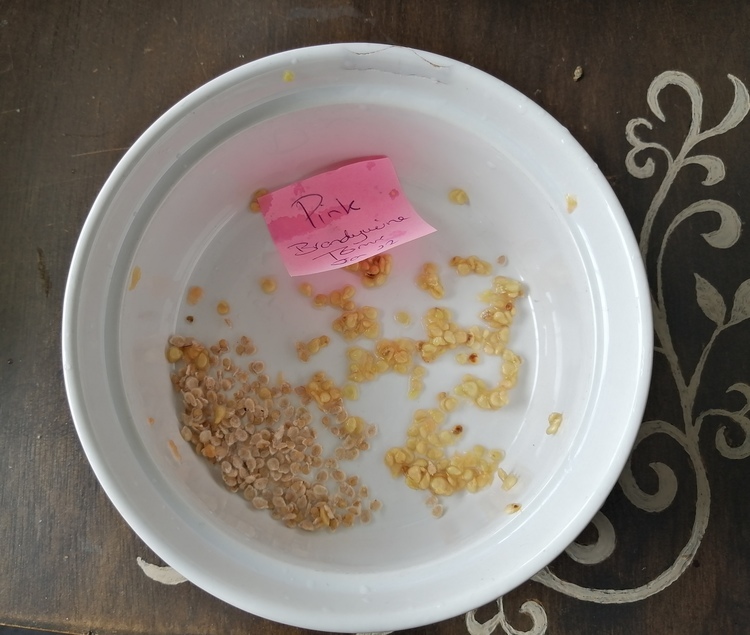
340 217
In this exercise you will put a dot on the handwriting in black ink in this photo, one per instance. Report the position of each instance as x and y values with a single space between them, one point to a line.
345 255
346 243
311 205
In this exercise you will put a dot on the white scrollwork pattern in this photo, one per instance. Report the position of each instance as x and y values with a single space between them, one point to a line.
640 163
532 609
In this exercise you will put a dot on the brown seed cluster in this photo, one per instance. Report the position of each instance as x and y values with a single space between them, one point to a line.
389 355
501 298
364 365
353 431
416 382
429 280
442 335
263 439
398 354
373 271
305 350
263 433
472 264
342 298
491 397
423 462
359 322
320 300
338 298
353 321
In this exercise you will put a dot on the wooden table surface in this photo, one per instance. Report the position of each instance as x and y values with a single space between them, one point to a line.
79 82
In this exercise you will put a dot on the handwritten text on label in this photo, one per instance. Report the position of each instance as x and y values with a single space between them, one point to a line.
340 217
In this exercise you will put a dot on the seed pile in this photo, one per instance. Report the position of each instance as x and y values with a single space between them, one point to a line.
423 460
396 355
338 298
423 463
306 349
263 433
443 335
373 271
353 431
262 436
429 280
472 264
360 321
416 382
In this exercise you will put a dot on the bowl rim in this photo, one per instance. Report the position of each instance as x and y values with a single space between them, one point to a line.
83 422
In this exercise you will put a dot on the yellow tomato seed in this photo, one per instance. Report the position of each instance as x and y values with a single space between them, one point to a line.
457 196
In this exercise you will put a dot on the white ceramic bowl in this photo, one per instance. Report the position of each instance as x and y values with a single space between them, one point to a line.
176 207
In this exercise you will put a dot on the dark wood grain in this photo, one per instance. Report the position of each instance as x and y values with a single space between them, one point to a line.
80 80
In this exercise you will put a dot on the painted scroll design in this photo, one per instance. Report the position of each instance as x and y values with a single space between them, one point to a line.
162 574
686 433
